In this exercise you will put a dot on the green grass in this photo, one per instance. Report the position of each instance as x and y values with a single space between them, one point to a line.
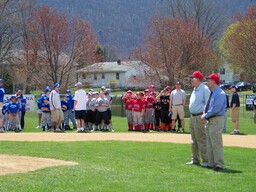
127 166
247 125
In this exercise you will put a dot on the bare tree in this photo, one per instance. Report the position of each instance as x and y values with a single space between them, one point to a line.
209 16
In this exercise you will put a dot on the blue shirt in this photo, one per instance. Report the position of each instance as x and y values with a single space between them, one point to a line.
13 107
70 102
45 108
2 92
218 103
235 100
198 99
64 105
23 102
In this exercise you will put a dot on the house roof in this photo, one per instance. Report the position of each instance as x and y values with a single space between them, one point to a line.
108 67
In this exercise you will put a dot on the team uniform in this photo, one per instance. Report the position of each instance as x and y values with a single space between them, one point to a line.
137 114
14 120
23 103
149 119
165 121
64 108
46 114
93 112
71 113
102 114
157 114
128 110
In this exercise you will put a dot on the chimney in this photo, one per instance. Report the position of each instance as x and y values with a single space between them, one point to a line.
118 62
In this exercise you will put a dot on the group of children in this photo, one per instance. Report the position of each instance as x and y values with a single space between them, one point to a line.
98 111
148 110
13 111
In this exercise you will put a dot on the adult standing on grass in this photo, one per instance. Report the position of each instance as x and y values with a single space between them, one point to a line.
213 118
197 102
235 105
23 103
55 106
2 92
80 100
177 103
71 113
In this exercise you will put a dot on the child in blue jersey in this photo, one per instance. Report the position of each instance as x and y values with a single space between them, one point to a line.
46 114
2 92
64 107
71 113
13 109
22 100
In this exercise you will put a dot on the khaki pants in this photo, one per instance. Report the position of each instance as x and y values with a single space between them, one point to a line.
178 110
235 114
198 139
214 141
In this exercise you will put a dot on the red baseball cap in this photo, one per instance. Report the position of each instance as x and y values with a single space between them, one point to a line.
147 90
151 86
215 77
168 87
198 75
129 91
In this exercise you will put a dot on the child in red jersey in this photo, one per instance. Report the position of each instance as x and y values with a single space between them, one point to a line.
128 108
138 112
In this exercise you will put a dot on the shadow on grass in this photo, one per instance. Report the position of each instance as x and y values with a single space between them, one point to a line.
227 170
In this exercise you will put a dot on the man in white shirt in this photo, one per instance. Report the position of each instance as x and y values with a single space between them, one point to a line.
177 103
80 100
55 107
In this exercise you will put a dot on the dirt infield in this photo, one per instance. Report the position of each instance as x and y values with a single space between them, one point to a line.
21 164
245 141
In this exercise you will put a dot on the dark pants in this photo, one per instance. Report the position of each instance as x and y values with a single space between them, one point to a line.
102 116
22 119
164 117
157 117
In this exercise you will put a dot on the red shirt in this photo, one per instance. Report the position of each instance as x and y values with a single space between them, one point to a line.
138 105
129 104
149 102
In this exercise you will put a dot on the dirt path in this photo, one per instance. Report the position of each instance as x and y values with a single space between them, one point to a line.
246 141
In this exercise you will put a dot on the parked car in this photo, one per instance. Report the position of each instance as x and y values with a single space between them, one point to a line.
254 88
243 86
225 85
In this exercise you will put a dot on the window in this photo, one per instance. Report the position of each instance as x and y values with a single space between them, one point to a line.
117 76
103 75
95 76
222 71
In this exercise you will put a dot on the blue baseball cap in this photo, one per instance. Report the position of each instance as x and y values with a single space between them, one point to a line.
56 85
47 90
68 91
67 95
13 96
233 86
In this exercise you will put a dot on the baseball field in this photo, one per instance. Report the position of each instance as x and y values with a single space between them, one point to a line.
121 161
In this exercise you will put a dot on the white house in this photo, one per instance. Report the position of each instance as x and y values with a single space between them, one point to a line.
124 74
227 73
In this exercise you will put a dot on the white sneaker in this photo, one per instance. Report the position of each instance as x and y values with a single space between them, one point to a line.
79 130
1 130
112 130
38 127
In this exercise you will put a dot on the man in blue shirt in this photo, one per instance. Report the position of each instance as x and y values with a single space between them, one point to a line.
2 92
197 102
213 118
235 105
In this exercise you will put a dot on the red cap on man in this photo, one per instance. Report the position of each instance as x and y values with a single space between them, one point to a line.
215 77
198 75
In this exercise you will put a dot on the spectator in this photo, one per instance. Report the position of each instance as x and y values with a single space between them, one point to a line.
197 102
235 105
213 117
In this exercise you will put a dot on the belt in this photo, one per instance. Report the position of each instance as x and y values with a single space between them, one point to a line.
178 105
214 116
196 114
